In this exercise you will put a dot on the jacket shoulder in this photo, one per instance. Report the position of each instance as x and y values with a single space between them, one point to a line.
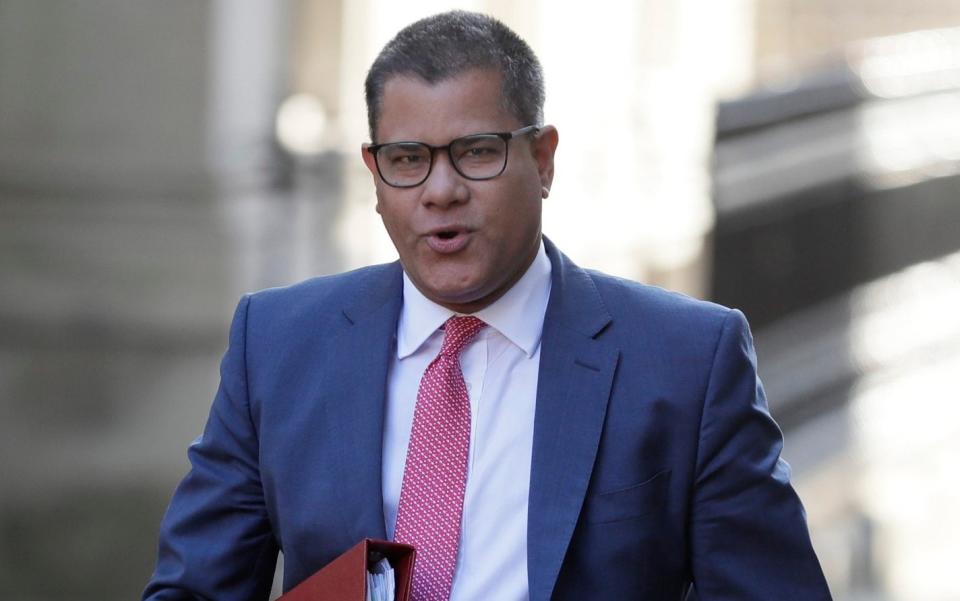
677 326
326 297
627 298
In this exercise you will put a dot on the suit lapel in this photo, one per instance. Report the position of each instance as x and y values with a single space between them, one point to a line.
576 375
354 401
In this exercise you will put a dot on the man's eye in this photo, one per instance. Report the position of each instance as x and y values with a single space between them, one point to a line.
406 159
479 151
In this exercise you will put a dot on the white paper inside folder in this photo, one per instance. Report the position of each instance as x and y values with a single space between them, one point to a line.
381 582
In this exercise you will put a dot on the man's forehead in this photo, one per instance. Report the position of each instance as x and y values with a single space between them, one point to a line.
464 103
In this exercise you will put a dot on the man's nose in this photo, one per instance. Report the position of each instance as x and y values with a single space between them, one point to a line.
445 186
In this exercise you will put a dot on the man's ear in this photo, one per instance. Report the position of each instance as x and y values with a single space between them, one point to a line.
368 159
544 146
371 162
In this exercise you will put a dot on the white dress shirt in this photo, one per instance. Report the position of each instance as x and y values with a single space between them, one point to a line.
500 368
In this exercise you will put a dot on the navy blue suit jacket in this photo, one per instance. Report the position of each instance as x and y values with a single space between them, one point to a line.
655 460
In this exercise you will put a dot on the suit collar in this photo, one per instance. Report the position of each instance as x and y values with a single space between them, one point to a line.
574 299
380 287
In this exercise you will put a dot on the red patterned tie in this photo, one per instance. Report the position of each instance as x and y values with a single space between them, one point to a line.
435 475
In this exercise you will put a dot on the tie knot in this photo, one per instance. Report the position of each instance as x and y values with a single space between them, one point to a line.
457 332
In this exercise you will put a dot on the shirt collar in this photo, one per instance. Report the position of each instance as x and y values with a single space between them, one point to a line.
517 315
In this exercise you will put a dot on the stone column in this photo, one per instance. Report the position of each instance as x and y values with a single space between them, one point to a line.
135 136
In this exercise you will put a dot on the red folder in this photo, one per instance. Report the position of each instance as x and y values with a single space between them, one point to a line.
345 578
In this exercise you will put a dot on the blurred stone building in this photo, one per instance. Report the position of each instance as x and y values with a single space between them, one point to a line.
157 159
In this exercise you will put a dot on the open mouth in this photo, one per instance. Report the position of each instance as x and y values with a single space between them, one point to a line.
448 241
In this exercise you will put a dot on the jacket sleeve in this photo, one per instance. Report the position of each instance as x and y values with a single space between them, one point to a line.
749 539
216 540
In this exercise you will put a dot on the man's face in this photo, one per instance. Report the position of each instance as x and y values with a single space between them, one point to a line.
462 242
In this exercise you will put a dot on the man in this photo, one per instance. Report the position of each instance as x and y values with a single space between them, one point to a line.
538 431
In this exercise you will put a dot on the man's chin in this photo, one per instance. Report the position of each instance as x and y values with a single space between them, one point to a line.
453 296
462 297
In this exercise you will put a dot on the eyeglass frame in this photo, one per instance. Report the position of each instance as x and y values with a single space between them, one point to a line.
505 136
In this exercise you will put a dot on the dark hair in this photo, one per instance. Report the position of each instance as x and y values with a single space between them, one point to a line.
451 43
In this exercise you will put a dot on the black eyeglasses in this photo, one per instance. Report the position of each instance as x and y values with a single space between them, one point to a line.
476 157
